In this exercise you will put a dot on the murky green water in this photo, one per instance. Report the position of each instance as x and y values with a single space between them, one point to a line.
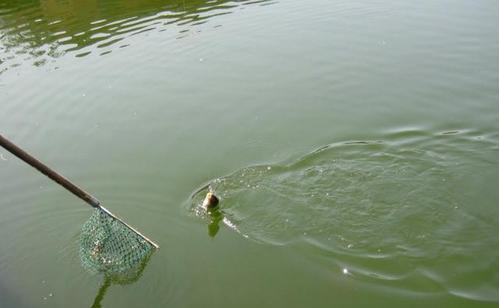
354 145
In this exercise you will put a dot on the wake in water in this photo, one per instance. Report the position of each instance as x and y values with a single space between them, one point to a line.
398 210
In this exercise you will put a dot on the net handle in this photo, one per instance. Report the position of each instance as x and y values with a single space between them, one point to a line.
53 175
64 182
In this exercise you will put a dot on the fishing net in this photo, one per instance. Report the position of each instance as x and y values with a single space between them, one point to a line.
108 246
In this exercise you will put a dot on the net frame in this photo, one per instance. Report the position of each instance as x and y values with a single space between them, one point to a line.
110 246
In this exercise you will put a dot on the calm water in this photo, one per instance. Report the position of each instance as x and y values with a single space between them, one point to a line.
354 145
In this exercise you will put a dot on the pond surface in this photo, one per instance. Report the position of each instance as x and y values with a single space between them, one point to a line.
354 146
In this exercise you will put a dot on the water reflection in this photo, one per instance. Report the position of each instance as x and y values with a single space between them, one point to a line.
118 280
39 31
215 218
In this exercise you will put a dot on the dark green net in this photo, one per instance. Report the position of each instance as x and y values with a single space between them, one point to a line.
108 246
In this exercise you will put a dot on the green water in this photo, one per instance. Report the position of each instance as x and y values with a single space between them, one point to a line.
354 146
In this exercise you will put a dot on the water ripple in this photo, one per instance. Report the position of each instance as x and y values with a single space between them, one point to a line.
38 32
396 212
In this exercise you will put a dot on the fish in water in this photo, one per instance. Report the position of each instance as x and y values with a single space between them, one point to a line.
210 201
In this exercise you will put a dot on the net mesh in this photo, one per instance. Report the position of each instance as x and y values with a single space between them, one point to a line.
108 246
